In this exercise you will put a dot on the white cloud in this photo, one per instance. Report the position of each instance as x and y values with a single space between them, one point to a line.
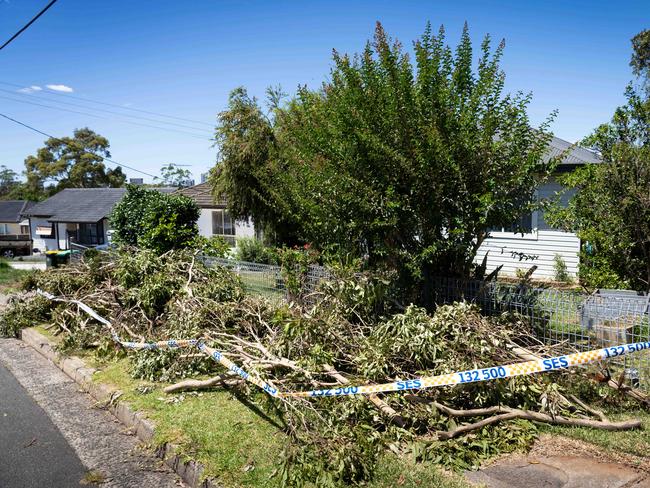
60 88
30 89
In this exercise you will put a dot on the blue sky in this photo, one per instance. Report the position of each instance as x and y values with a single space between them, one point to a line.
183 58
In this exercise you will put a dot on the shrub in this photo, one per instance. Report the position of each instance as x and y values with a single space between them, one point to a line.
254 251
215 246
561 273
153 220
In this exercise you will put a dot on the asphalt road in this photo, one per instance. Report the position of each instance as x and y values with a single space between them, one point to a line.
33 453
72 435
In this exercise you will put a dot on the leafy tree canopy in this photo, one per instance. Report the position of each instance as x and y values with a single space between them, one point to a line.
154 220
70 162
173 175
611 210
640 61
405 163
8 182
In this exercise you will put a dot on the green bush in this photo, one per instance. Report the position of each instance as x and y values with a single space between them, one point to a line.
153 220
254 251
561 273
215 246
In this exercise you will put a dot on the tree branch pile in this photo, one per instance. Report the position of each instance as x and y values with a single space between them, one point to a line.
348 334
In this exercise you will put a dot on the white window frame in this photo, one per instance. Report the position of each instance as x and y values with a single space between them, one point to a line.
230 238
526 236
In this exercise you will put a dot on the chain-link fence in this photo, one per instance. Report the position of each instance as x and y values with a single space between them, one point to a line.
584 321
269 280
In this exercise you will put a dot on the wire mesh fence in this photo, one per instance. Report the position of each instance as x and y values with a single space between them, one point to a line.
268 280
583 321
579 320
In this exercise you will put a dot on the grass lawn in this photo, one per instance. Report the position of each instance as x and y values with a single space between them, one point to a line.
10 278
236 442
635 442
261 283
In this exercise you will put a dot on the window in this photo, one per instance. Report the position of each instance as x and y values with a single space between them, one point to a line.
90 234
524 228
523 224
223 225
24 229
4 229
45 231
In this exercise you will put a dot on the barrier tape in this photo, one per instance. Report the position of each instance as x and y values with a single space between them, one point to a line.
449 379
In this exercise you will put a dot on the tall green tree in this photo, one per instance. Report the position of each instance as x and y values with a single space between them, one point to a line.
611 210
71 162
640 61
8 182
174 175
406 164
244 174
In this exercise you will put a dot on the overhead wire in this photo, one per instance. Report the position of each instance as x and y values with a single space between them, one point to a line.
179 131
26 26
104 158
115 105
103 110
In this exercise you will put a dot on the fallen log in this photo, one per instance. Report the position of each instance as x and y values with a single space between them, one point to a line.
499 414
224 379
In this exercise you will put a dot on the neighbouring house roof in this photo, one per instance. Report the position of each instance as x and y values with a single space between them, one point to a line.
202 195
577 155
81 204
12 210
78 205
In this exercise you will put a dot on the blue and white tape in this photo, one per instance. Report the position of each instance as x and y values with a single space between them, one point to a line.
449 379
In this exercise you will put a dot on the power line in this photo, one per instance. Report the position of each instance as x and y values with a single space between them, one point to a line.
67 95
28 24
103 110
104 158
189 134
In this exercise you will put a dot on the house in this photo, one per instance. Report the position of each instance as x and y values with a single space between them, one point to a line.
15 237
74 215
540 243
215 219
78 215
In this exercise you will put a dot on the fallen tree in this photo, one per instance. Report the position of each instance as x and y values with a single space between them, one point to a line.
347 334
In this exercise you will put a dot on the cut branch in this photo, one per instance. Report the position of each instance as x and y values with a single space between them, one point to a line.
225 379
383 407
499 414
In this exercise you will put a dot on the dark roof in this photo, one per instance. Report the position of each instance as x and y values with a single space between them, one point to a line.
577 155
78 205
12 210
202 195
81 204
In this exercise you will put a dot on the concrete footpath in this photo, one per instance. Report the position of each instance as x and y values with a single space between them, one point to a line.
52 434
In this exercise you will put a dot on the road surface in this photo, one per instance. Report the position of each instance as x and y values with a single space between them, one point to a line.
52 435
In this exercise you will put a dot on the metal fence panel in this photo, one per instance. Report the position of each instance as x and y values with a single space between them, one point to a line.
267 279
579 320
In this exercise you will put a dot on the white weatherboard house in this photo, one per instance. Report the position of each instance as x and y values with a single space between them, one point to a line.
541 241
215 219
74 215
78 215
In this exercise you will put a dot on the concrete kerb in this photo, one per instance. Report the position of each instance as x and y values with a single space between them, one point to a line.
189 470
